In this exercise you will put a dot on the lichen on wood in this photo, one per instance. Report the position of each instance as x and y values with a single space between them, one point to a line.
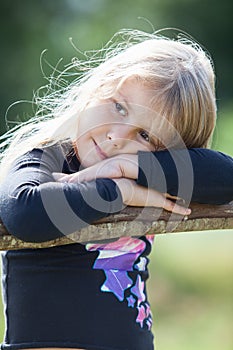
135 222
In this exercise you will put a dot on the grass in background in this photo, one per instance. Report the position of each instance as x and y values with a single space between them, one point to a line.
191 283
191 290
223 137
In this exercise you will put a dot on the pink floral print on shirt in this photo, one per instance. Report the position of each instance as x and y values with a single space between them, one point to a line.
117 259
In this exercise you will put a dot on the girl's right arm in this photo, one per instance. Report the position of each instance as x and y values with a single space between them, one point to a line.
35 208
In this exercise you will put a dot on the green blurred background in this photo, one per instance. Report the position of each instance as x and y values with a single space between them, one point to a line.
191 283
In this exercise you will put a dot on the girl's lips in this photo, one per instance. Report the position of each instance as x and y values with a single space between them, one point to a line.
99 151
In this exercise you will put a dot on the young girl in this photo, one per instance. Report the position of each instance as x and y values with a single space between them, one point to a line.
116 136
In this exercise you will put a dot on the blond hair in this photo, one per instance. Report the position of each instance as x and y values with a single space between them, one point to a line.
179 72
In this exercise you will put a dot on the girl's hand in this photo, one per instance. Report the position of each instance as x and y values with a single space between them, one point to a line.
122 169
125 165
139 196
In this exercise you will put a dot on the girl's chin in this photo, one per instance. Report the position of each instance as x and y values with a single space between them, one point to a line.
91 159
86 163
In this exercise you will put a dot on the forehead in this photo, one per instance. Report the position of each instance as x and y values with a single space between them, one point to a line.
135 92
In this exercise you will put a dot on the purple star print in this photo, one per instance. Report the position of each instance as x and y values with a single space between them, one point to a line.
116 282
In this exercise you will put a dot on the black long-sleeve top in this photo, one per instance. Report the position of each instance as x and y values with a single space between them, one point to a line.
51 294
36 208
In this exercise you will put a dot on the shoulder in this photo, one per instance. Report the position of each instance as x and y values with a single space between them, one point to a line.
51 156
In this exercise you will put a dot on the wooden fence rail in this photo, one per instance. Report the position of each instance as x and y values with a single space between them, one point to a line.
134 221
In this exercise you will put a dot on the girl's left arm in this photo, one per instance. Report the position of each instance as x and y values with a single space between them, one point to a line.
198 174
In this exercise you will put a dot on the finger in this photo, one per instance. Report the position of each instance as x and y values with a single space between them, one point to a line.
176 208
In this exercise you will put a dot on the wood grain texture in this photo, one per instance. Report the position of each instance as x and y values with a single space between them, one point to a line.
135 222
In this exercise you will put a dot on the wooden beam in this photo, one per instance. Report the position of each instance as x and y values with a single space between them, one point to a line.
135 222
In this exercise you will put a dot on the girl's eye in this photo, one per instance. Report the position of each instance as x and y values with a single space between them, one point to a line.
145 136
120 109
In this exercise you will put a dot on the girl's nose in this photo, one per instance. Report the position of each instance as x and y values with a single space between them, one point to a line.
119 135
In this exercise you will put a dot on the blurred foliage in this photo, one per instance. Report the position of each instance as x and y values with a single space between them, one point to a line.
191 290
191 286
224 130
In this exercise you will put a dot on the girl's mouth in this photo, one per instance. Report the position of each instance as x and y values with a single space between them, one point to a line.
99 151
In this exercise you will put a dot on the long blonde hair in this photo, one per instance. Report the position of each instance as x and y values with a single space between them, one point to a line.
179 72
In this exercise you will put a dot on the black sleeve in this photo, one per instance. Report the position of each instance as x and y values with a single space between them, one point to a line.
35 208
198 175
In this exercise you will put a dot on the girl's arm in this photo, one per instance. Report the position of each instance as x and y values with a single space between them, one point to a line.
198 174
208 173
35 208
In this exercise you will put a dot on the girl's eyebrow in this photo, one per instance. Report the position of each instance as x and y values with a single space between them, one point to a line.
123 99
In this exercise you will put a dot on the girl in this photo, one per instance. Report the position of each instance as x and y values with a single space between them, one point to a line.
129 118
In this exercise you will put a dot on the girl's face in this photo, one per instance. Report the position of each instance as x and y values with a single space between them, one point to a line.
121 124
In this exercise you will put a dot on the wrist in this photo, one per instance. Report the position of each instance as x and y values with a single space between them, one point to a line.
124 186
128 165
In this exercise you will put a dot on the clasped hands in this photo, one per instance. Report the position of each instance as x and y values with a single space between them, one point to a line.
123 169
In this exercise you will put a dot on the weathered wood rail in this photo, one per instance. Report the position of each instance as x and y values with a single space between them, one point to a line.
134 221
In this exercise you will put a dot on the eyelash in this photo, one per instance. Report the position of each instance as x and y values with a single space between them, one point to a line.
120 109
